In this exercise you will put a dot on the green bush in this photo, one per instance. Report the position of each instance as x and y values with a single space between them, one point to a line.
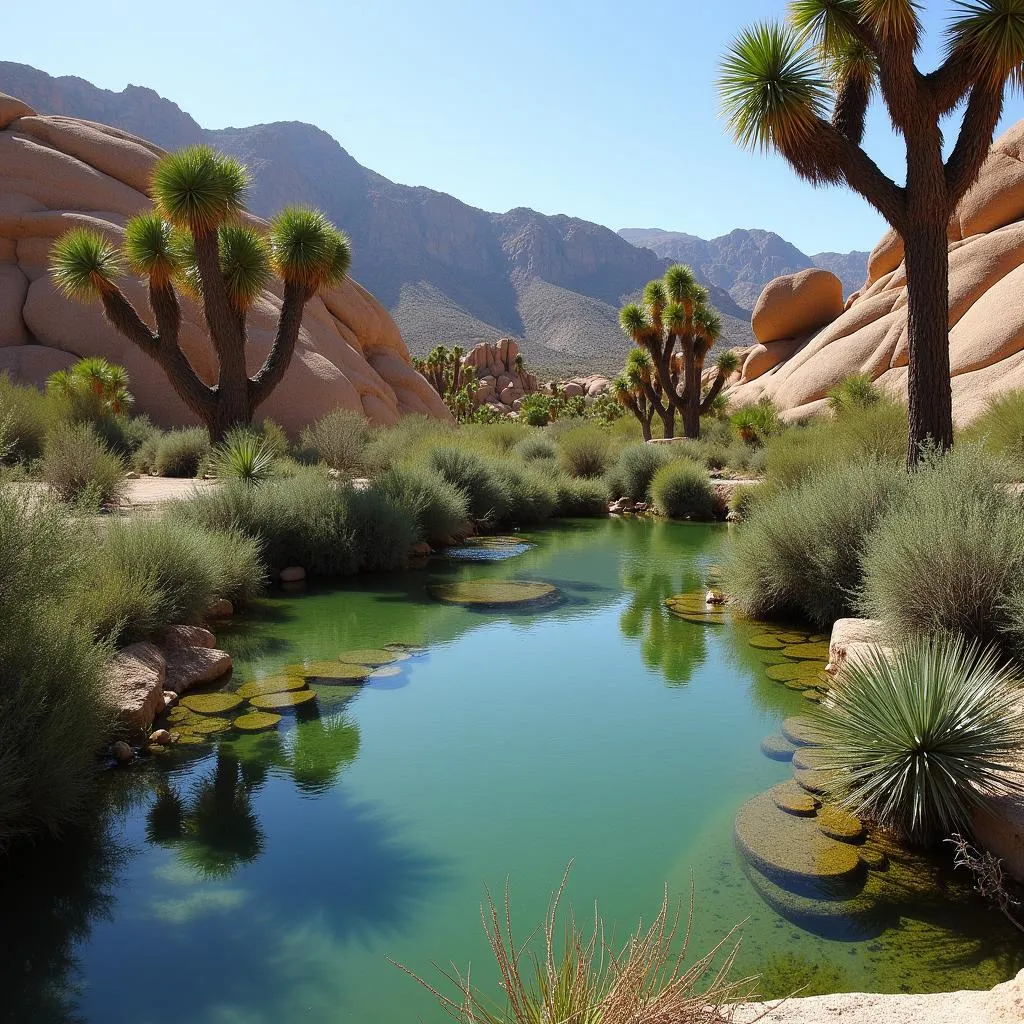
743 499
383 532
493 438
634 470
1001 429
528 490
78 466
949 558
536 447
246 456
338 440
28 415
153 573
124 435
681 490
439 509
921 739
181 453
584 451
535 410
406 441
579 499
474 475
799 550
53 713
758 424
878 431
856 392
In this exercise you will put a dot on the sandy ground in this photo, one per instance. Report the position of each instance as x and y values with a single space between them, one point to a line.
146 492
1002 1005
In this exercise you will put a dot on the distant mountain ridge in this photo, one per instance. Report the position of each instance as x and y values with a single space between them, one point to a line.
744 261
449 273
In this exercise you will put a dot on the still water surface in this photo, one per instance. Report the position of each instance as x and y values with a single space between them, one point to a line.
268 878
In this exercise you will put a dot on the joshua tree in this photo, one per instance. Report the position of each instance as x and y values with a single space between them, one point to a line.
452 379
196 241
632 387
94 387
803 89
676 327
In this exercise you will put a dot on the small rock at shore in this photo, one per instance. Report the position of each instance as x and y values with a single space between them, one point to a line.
160 736
121 752
135 685
188 666
293 574
222 609
191 636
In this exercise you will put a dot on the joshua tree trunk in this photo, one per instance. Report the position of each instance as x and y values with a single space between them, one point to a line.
691 392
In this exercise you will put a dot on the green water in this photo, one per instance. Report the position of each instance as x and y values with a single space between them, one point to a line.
268 879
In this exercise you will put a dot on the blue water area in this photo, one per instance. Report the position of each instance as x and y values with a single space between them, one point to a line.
250 879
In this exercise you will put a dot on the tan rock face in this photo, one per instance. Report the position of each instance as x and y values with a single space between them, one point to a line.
57 173
986 310
796 304
135 686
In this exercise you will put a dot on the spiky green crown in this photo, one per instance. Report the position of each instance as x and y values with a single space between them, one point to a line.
634 322
307 250
772 89
675 317
654 296
150 249
244 263
989 36
679 282
728 363
84 263
707 323
199 189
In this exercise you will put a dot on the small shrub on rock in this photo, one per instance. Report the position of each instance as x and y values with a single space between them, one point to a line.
78 466
681 490
181 453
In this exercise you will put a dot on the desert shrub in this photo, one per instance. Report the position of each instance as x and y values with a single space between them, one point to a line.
181 453
123 434
634 470
681 490
950 556
536 447
855 392
584 451
275 436
474 475
924 737
529 493
53 715
152 573
877 431
78 466
382 530
439 509
493 438
579 498
757 424
799 550
743 499
1001 429
407 439
245 455
338 440
144 457
29 416
535 410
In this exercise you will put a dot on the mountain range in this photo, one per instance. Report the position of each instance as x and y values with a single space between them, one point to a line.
451 273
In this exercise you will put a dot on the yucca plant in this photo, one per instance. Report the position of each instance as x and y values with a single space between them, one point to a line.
920 738
94 387
803 89
196 241
246 456
855 392
675 326
580 978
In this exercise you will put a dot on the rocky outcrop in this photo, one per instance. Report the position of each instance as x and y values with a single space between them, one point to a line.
57 173
135 686
498 383
189 665
869 334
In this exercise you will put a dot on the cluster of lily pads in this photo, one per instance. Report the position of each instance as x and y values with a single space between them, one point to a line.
805 654
483 594
258 705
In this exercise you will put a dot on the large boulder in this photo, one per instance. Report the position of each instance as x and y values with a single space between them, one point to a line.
61 172
797 303
135 686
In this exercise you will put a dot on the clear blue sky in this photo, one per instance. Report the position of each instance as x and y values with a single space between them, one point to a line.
601 109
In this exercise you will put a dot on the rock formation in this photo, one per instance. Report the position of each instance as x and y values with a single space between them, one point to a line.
57 173
499 383
800 355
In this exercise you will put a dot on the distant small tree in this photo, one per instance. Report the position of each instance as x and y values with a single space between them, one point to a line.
94 387
634 388
803 89
195 241
451 378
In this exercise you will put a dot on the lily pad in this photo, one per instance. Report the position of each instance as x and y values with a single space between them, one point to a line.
402 648
803 730
793 638
211 725
777 747
272 684
256 721
814 780
807 651
789 797
836 823
488 549
794 670
372 656
766 642
282 701
493 593
814 696
332 673
211 703
692 607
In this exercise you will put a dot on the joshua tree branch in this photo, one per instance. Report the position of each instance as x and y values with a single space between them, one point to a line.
984 108
716 386
270 374
221 318
122 314
949 84
851 109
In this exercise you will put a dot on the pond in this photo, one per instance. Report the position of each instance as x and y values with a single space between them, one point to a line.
259 878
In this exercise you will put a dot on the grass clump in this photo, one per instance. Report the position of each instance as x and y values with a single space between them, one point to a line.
246 456
29 416
950 557
78 466
474 475
529 493
858 391
338 440
925 736
681 490
584 451
53 713
181 453
536 447
799 551
439 509
579 499
634 470
1001 429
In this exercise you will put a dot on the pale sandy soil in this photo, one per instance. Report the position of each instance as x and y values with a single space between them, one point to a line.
1002 1005
147 491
